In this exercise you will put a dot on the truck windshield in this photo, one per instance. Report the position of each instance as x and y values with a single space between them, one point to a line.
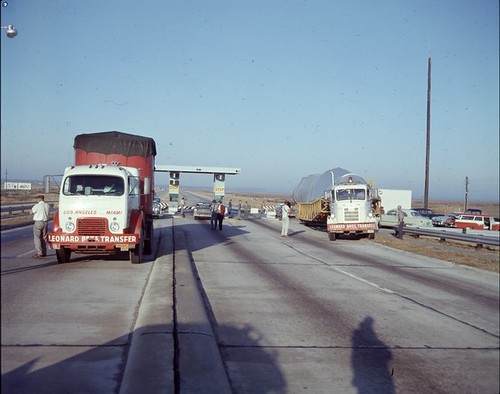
93 185
350 194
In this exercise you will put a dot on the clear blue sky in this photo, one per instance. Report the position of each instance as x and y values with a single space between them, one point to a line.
281 89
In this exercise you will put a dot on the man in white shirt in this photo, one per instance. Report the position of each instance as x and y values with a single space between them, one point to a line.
41 218
285 220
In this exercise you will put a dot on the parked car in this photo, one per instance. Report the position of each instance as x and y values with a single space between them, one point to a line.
429 213
477 222
450 221
202 210
439 221
158 207
412 218
474 211
424 211
291 214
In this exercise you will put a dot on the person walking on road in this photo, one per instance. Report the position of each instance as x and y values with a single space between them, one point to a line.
239 209
285 219
221 210
246 210
401 223
41 218
229 208
182 205
213 215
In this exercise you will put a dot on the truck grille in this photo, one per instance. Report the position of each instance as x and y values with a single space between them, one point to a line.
92 226
351 215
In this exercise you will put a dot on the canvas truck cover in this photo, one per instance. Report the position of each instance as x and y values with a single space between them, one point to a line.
314 186
116 142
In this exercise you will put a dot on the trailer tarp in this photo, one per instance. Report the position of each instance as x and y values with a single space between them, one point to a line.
314 186
112 142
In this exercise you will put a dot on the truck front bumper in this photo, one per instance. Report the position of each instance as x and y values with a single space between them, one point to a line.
351 227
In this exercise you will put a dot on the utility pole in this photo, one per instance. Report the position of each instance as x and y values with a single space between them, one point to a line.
466 192
428 140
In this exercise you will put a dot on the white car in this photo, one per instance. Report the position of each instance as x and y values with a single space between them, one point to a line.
202 211
412 218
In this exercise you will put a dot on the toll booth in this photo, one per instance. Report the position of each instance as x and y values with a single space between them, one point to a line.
173 191
219 180
219 186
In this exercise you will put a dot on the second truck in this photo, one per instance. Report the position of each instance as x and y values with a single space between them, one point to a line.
341 201
106 198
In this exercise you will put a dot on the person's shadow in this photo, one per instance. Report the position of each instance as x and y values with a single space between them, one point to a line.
370 361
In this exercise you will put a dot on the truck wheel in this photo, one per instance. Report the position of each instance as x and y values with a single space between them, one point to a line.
136 253
332 236
63 255
371 236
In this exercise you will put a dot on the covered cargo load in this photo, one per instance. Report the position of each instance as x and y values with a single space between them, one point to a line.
338 199
314 186
113 142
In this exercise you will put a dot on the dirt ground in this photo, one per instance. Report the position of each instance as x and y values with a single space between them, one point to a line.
487 258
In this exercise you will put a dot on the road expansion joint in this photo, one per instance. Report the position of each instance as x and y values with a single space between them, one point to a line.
198 363
62 345
366 347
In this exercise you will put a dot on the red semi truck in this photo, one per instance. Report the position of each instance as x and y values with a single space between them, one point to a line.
106 198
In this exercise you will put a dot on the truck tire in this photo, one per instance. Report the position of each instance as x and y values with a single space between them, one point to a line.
63 255
332 236
371 236
136 254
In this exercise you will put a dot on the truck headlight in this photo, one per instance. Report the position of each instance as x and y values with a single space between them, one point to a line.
70 227
114 227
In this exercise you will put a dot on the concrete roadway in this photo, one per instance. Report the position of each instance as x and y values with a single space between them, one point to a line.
255 313
303 314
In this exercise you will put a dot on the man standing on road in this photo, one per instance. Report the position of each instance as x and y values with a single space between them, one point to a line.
239 210
213 214
401 223
41 218
285 220
221 210
246 210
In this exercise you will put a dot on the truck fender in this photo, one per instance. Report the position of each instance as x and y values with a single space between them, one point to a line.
55 222
136 220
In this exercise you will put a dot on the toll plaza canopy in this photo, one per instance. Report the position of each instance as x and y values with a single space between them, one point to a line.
314 186
113 142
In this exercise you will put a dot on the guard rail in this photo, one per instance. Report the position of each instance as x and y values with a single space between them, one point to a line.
10 209
443 235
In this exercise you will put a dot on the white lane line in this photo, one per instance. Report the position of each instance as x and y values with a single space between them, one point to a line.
25 254
345 272
363 280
